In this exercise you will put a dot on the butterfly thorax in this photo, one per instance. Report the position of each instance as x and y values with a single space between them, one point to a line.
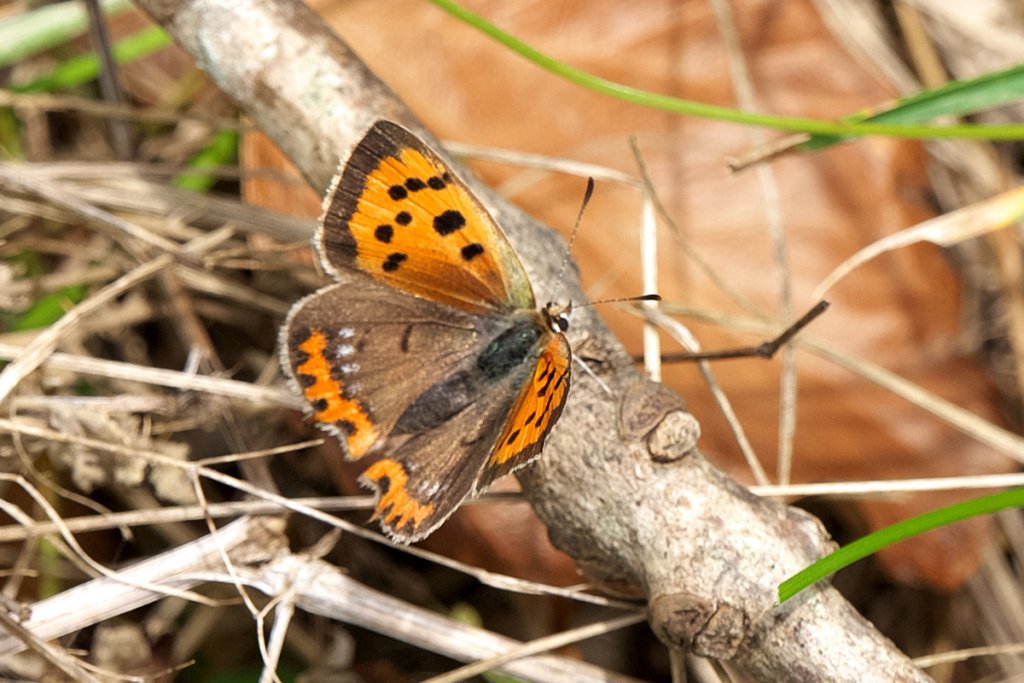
510 348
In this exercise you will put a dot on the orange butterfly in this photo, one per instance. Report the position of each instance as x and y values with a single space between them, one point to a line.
430 350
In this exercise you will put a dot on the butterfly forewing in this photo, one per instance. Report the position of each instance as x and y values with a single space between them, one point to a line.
534 412
397 213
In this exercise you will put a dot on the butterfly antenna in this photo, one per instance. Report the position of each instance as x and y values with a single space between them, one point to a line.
587 194
576 228
625 299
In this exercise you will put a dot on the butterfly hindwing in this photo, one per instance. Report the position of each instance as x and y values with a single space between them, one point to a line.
398 213
429 476
361 355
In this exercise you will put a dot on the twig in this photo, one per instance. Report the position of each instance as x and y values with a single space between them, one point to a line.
320 588
765 349
249 539
160 377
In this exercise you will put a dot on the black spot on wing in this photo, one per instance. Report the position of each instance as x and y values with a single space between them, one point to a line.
471 251
384 233
393 261
449 222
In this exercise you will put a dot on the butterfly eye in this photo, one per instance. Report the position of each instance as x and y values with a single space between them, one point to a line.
557 316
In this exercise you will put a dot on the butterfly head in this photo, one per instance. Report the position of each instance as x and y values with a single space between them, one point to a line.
556 316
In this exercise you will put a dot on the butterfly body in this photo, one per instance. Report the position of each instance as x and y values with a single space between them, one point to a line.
431 351
507 352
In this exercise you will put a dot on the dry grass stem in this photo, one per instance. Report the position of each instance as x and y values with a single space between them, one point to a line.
320 588
540 645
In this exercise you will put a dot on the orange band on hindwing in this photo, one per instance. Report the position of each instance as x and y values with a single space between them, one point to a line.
330 406
396 507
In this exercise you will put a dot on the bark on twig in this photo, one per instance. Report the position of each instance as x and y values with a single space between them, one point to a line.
248 540
259 549
706 553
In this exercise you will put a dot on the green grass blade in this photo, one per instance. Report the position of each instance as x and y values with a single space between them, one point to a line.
85 68
692 108
957 98
900 531
29 33
49 309
10 135
221 151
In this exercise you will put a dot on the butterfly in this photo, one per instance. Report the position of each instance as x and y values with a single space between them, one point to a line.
430 351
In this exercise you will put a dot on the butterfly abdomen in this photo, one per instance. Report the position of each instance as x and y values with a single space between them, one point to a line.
507 352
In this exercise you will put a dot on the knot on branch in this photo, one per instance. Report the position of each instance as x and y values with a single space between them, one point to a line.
690 622
652 411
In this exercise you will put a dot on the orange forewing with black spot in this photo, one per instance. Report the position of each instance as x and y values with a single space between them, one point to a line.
536 409
397 213
429 354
